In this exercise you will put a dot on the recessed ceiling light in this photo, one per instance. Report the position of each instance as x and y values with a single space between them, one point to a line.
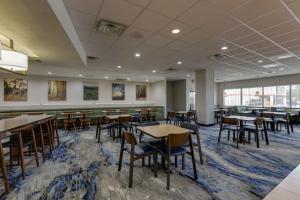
49 73
270 65
80 75
284 56
119 66
188 75
137 55
179 62
154 71
175 31
106 77
147 80
260 61
224 48
281 68
128 78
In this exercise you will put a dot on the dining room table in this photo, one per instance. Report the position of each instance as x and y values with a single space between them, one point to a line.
245 119
6 127
162 131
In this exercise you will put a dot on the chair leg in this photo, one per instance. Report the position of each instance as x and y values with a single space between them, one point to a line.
35 149
99 134
42 143
257 139
199 149
176 161
168 171
21 157
121 153
228 135
3 168
131 172
193 157
183 162
155 164
219 135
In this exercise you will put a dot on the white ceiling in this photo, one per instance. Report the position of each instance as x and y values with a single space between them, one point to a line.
252 29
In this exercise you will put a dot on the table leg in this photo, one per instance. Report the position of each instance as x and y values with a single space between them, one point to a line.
3 167
193 157
266 133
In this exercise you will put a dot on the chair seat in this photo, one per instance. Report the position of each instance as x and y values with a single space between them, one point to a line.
280 120
251 127
174 151
141 148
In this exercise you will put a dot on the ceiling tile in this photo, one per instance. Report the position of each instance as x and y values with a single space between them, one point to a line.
81 20
287 36
253 9
91 6
222 24
151 21
227 5
195 36
177 45
171 8
140 2
199 14
158 40
119 11
254 38
271 19
280 29
295 7
236 33
101 40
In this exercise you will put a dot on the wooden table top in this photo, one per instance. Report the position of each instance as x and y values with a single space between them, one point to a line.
161 131
112 117
6 125
258 108
144 109
242 118
288 188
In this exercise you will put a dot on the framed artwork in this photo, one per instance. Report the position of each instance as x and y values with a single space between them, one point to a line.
57 90
15 89
141 92
118 91
90 92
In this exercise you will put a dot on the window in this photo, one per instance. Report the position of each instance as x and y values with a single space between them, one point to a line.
252 97
192 100
277 96
232 97
295 96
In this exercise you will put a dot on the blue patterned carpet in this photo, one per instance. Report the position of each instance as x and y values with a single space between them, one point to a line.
82 169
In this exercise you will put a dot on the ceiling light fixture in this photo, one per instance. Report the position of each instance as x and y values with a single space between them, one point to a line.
260 61
106 77
119 66
179 62
281 68
137 55
224 48
49 73
175 31
284 56
147 80
80 75
128 78
154 71
188 75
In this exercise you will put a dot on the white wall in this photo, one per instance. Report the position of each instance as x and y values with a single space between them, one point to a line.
38 94
271 81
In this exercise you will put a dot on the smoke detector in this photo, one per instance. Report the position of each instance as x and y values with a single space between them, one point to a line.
110 28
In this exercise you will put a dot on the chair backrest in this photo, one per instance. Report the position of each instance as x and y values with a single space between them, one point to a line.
171 115
69 115
130 138
124 119
192 127
268 115
176 140
154 123
25 129
259 122
229 121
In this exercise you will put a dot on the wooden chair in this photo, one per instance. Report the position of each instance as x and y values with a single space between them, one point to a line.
143 116
44 136
172 117
147 124
218 115
284 120
255 128
102 124
20 145
124 122
85 119
137 151
53 126
69 120
230 124
195 129
152 116
174 147
269 120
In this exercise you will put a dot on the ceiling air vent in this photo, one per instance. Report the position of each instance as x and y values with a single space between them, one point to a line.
92 58
217 56
171 69
121 79
110 28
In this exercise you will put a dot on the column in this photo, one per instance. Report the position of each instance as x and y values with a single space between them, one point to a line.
205 86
